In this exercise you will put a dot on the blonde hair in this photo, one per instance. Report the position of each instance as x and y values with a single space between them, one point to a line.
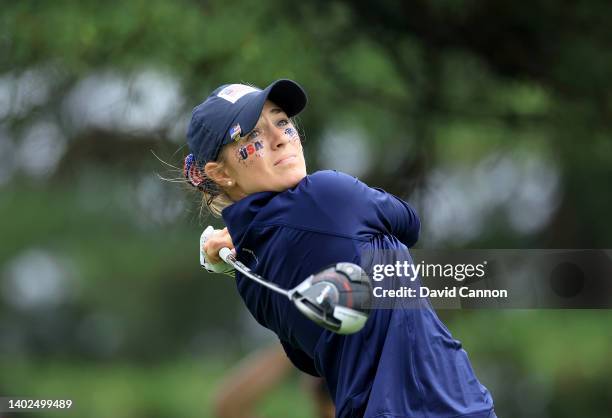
214 197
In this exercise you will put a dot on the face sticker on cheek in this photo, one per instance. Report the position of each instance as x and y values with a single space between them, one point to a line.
292 134
245 153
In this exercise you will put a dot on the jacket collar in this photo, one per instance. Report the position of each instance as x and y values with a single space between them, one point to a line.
239 216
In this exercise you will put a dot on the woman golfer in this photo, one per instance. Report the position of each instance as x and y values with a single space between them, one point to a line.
247 159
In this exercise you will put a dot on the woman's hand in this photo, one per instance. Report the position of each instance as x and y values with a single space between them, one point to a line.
218 239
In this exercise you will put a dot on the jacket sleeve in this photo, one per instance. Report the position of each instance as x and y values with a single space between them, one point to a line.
300 359
346 205
397 217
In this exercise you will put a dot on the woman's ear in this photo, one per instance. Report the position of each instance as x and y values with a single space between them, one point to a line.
218 173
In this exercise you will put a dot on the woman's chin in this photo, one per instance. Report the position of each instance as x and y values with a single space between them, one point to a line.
292 178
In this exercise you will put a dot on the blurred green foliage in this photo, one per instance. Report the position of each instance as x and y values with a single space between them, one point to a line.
180 388
436 89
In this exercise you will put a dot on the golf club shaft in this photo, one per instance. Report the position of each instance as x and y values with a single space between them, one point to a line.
227 256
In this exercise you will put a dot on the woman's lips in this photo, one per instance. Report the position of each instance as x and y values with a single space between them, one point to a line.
285 160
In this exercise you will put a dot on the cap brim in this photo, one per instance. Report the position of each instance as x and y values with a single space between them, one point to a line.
286 94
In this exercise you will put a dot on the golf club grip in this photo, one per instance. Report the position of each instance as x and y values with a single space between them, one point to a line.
226 255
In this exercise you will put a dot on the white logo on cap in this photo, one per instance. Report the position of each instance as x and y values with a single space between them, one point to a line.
234 92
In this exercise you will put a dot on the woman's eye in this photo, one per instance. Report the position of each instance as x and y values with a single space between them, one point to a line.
283 122
252 135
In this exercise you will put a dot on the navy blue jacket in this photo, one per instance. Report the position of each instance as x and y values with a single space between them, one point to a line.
404 362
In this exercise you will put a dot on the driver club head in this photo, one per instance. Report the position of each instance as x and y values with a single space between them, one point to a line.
336 298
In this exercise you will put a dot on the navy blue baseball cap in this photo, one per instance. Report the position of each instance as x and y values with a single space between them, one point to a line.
232 111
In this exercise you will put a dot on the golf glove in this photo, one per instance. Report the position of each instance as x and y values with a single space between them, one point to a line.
221 267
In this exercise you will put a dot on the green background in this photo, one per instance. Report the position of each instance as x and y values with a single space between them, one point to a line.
492 118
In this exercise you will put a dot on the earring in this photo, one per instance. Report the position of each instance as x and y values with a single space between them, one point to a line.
229 183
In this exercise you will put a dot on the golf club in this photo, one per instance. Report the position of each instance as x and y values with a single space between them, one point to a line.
336 298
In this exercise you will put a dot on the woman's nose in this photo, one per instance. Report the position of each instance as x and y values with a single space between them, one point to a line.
278 137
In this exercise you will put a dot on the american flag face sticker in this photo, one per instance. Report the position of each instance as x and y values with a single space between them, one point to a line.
235 132
291 133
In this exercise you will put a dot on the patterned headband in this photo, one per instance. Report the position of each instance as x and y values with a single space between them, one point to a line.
192 172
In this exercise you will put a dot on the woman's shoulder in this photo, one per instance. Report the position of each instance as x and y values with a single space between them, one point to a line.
331 180
326 201
333 175
330 187
326 185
